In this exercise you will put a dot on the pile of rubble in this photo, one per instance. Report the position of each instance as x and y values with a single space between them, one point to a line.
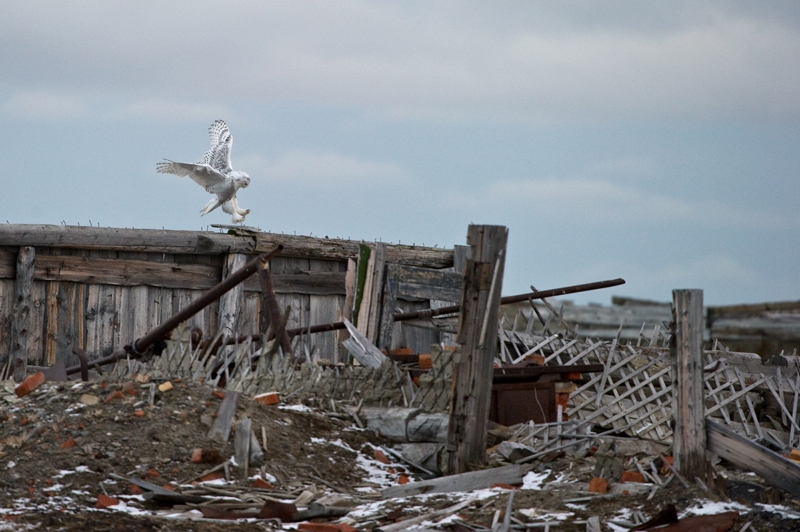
147 453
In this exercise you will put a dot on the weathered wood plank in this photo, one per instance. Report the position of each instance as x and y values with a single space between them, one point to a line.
8 263
23 308
362 349
477 334
772 467
689 435
369 313
462 482
329 248
152 240
315 283
6 306
125 272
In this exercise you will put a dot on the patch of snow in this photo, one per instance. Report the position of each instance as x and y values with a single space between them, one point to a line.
297 408
779 509
706 507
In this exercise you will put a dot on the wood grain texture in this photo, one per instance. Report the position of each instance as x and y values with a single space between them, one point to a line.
689 434
8 263
230 304
772 467
477 335
125 272
22 310
315 283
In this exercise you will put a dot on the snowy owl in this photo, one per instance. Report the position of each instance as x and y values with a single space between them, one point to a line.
214 173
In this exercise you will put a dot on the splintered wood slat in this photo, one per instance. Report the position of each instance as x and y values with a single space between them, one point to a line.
23 304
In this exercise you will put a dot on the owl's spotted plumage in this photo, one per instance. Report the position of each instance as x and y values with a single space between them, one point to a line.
214 173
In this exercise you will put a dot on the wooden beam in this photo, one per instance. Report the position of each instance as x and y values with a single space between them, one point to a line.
477 335
209 243
689 437
307 283
23 306
769 465
8 263
150 240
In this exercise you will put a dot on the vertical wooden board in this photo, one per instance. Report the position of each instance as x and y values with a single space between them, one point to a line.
154 294
36 338
165 305
106 319
139 312
416 338
325 309
250 318
92 311
123 327
6 298
66 299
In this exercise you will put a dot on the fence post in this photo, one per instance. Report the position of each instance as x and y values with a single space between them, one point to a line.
477 336
689 436
20 327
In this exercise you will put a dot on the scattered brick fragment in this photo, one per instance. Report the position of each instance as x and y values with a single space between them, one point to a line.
263 484
30 384
165 387
402 479
152 473
632 476
269 398
381 457
216 475
598 485
135 490
129 388
104 501
504 486
138 413
68 444
206 456
218 394
113 396
169 487
318 527
425 361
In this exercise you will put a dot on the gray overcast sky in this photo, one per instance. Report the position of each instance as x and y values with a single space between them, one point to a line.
654 141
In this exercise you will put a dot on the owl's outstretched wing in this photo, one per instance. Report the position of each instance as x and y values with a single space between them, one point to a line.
203 174
221 140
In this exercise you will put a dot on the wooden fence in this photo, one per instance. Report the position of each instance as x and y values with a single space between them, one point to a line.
99 289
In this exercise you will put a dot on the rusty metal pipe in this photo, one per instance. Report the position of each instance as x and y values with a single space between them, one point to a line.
162 331
428 313
574 289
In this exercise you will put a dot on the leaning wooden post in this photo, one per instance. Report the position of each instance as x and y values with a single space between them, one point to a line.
270 306
689 436
20 327
477 337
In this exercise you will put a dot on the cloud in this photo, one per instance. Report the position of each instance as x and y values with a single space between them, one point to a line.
529 61
43 105
164 110
598 201
325 169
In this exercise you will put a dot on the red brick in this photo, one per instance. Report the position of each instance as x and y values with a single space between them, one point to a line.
344 527
169 487
505 486
263 484
197 455
68 444
138 413
114 396
136 490
152 473
632 476
269 398
403 479
30 384
425 361
381 457
216 475
104 501
206 456
218 394
318 527
598 485
129 388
